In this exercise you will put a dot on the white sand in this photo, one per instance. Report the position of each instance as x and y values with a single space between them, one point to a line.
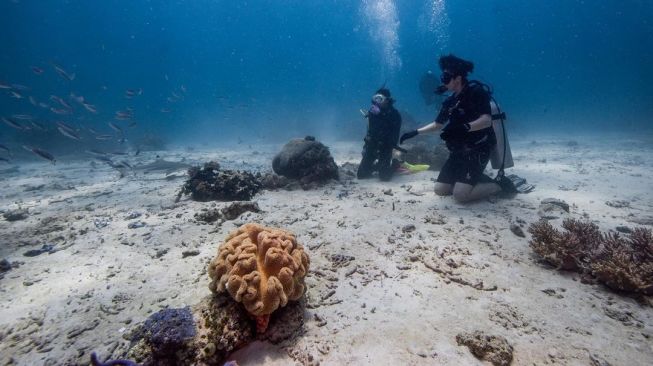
57 308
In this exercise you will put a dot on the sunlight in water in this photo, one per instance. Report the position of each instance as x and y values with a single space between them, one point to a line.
383 24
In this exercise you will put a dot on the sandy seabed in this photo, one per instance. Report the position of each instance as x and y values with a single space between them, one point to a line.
375 297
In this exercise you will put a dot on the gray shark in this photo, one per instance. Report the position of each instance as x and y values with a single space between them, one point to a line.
161 165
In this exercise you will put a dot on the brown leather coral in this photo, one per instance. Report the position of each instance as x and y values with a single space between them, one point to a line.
261 267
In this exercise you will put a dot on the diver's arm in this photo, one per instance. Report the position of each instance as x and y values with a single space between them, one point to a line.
484 121
433 126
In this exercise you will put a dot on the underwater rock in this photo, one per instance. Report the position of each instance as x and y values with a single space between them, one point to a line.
273 181
16 215
254 252
206 333
494 349
306 160
210 184
5 265
517 230
203 334
552 208
426 153
348 170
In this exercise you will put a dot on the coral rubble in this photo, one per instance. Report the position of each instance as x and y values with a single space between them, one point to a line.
211 183
622 262
262 268
494 349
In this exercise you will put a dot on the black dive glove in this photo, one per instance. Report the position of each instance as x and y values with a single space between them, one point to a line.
408 135
455 131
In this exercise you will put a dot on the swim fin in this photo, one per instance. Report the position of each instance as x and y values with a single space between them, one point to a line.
406 168
520 184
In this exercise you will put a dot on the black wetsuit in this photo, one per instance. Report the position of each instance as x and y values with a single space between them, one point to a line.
470 152
382 136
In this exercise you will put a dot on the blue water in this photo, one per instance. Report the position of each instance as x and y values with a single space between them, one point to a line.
217 71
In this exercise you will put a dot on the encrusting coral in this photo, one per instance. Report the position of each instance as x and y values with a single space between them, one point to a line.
622 262
262 268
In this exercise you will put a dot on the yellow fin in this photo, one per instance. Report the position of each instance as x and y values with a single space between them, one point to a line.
414 168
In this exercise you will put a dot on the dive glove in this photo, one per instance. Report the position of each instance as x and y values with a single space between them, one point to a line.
408 135
455 131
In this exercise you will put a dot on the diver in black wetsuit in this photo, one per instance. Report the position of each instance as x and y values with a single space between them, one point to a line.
469 135
384 123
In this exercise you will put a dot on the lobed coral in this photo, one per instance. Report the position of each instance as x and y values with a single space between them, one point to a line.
262 268
621 262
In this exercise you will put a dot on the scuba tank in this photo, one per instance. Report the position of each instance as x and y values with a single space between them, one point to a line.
500 156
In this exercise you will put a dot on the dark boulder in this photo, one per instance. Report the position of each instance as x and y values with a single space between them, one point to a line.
306 160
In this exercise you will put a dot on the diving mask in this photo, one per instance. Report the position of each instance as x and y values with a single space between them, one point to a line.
379 99
446 77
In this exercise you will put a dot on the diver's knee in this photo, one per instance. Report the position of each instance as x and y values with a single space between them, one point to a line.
461 197
442 189
462 192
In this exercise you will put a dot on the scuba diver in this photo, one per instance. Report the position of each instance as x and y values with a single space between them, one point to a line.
384 123
465 119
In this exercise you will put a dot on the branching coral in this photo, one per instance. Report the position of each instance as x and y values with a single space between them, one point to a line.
261 267
622 263
625 263
566 251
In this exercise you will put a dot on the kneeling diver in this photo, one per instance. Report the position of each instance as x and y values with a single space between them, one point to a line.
469 135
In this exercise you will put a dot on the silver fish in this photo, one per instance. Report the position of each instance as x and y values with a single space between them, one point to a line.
130 93
4 160
103 137
126 164
4 85
15 94
19 87
103 158
90 107
24 117
38 126
59 110
3 147
37 70
115 127
63 73
42 153
61 101
69 134
66 126
13 124
33 101
96 152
